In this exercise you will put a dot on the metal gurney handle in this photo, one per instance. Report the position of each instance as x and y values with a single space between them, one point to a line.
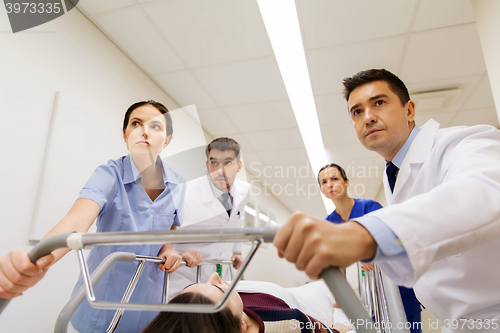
67 312
334 279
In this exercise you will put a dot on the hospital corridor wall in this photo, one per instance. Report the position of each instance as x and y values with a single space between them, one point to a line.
67 69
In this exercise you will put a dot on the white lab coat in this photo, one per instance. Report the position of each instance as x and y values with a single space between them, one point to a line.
203 210
445 210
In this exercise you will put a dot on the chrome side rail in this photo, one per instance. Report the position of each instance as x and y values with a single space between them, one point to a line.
191 308
131 287
382 300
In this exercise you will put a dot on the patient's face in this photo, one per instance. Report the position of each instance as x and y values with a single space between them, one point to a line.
214 289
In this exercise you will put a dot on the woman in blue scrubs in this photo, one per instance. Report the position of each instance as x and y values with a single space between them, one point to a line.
333 184
136 192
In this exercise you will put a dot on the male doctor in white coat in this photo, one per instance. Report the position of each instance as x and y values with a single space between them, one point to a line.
215 201
440 233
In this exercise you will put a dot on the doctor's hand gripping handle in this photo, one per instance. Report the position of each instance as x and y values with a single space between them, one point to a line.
340 288
41 249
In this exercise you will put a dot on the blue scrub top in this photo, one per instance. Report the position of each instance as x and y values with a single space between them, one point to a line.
125 206
360 208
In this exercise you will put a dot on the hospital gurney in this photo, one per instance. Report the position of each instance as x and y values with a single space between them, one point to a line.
382 300
334 279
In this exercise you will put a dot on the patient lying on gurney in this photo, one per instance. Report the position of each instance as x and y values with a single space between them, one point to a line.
257 307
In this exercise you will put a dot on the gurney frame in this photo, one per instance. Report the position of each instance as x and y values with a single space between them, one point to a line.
334 279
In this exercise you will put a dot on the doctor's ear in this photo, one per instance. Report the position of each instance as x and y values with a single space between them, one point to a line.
410 111
124 136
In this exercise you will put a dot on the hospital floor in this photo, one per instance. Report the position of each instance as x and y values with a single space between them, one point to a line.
429 323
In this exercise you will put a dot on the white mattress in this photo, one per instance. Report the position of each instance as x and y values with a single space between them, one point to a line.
314 299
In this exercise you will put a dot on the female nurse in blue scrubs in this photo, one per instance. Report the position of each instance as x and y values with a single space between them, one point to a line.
333 183
136 192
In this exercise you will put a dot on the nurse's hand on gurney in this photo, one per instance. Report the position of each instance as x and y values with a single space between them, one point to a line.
314 244
17 273
173 260
367 267
192 257
237 260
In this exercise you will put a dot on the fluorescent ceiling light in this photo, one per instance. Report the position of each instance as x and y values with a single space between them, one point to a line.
263 217
282 24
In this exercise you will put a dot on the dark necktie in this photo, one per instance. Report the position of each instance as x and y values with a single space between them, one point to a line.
225 199
392 173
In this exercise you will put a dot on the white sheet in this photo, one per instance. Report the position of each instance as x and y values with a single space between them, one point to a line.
313 298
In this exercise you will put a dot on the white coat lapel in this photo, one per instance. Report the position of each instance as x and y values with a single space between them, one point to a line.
237 198
419 149
387 189
212 203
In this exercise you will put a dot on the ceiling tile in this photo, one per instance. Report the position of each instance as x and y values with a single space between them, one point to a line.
243 82
443 119
486 116
337 134
481 97
347 152
252 162
246 146
274 140
262 116
334 22
443 53
467 84
332 109
436 14
97 6
215 122
208 32
286 157
131 30
185 89
329 66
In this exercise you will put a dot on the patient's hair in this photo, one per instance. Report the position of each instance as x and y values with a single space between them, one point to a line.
160 107
361 78
336 166
172 322
224 144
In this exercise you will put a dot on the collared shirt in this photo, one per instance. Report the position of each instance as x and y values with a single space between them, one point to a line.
388 246
125 206
218 193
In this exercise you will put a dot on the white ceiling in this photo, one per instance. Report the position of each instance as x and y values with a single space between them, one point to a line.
216 54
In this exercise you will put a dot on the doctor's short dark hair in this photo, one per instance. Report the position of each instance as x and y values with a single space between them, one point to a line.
172 322
160 107
336 166
222 144
361 78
